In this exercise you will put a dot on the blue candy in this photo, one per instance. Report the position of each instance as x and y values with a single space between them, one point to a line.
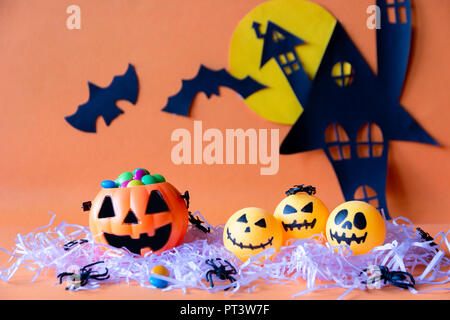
109 184
160 284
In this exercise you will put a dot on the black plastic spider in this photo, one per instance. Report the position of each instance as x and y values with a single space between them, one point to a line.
426 236
400 279
301 188
82 278
220 271
72 243
196 222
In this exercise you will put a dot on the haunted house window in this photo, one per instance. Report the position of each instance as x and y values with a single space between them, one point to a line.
367 194
276 36
396 11
289 62
343 73
369 141
337 142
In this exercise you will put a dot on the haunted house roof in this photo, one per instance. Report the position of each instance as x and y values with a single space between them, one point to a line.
277 41
366 99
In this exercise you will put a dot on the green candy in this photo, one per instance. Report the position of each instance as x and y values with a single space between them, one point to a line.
148 179
124 176
134 171
159 178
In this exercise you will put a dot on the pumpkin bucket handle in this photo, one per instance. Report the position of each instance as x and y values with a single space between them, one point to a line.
186 198
86 206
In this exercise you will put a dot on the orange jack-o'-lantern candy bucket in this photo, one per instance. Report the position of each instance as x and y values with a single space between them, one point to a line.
140 216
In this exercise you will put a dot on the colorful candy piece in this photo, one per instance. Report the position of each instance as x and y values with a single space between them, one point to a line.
124 176
148 179
159 178
109 184
145 170
134 183
124 184
139 173
159 283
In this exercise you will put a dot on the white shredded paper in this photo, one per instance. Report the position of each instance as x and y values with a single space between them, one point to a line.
404 250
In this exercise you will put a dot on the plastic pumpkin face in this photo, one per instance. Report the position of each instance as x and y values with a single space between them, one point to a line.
357 224
142 218
302 216
250 231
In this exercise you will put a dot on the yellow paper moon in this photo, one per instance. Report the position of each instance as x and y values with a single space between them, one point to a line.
305 19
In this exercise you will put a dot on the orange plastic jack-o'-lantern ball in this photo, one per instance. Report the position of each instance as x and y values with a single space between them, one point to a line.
250 231
302 215
140 218
357 224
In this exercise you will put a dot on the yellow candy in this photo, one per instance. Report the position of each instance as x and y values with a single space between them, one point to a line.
134 183
161 270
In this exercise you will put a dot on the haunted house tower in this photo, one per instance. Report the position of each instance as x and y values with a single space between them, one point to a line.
280 44
352 113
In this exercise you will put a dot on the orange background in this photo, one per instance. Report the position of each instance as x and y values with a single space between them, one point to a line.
46 165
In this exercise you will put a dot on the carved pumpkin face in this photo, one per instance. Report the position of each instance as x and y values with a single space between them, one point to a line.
142 218
357 224
302 216
250 231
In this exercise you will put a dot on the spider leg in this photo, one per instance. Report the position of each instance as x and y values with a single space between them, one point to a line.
231 281
209 278
412 278
69 245
96 274
220 262
233 269
84 282
400 279
211 263
102 276
64 274
90 265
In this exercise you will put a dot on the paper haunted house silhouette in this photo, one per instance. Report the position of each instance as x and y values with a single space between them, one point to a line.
279 44
349 111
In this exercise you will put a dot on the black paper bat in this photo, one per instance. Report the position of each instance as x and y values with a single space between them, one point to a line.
102 101
209 81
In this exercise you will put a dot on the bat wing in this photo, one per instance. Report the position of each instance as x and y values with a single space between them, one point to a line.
102 101
208 81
